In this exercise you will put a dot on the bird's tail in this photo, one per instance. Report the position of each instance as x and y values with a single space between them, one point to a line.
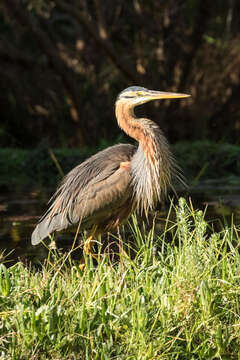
47 226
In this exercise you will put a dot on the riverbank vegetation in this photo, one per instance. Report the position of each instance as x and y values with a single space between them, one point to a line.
44 167
177 297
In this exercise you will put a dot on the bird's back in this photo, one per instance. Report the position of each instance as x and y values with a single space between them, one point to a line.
88 192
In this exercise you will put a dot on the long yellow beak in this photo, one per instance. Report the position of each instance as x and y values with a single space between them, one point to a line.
164 95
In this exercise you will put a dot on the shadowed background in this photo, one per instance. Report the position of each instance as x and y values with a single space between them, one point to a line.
62 64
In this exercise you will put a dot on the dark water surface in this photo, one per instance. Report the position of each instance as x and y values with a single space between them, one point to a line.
20 212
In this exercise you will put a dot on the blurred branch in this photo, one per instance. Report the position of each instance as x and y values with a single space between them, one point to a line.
224 112
12 54
102 29
103 42
24 18
195 41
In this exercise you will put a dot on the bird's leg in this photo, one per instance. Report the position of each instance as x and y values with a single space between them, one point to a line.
87 247
120 238
122 252
120 246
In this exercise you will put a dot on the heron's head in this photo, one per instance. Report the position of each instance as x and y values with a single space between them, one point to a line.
137 95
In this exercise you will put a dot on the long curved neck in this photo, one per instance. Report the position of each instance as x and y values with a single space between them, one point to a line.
152 164
145 131
139 129
127 120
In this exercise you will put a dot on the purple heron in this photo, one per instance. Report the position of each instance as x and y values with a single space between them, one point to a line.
104 190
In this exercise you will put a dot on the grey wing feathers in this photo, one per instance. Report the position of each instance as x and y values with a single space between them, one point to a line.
80 193
47 226
102 198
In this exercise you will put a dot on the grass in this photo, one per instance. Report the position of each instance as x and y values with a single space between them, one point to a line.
179 298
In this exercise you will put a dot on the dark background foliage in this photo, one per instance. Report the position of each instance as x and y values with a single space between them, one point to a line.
62 64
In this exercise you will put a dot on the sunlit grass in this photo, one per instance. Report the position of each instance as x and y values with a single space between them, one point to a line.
178 298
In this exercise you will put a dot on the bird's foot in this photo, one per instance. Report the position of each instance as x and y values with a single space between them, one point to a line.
87 248
82 264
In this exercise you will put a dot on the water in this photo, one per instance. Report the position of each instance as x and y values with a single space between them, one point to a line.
19 214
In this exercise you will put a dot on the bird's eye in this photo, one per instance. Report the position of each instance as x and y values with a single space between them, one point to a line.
139 93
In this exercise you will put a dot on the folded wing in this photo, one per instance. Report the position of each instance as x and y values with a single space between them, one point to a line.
90 193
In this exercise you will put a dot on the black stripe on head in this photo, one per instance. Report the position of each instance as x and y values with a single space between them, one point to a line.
134 89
